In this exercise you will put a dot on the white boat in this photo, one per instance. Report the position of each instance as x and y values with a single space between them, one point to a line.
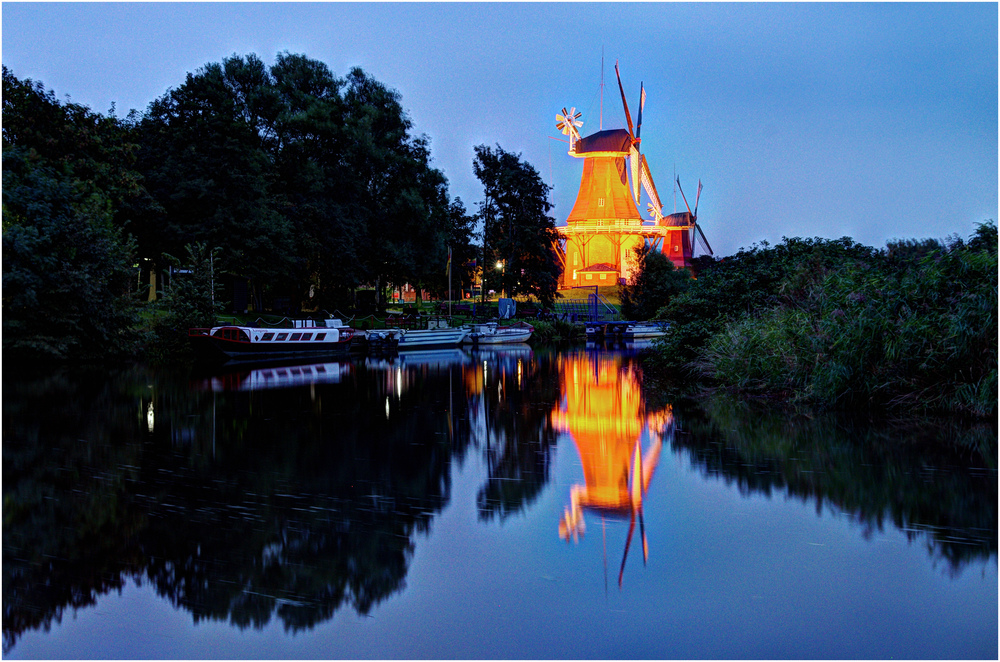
645 330
305 338
491 333
441 338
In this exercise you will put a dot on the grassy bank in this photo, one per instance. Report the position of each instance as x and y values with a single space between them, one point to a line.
840 325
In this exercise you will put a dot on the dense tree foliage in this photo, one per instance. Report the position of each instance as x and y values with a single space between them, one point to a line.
66 264
654 284
205 160
746 283
518 232
310 186
313 185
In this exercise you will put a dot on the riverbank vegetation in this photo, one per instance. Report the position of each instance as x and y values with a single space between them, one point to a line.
831 322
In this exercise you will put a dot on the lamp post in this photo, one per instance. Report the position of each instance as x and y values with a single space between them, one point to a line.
503 273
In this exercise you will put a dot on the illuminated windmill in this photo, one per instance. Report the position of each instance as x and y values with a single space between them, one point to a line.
682 231
605 224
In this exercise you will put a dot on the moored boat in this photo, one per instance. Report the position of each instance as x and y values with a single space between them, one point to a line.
382 340
492 333
306 338
625 331
440 338
645 330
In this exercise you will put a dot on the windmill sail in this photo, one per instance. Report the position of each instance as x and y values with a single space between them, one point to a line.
633 161
628 116
647 183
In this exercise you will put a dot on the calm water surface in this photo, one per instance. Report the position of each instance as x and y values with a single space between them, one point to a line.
493 504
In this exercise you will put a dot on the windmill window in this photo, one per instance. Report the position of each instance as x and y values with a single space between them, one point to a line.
600 202
574 274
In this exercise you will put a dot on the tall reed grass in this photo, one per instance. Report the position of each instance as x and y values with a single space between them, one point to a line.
918 333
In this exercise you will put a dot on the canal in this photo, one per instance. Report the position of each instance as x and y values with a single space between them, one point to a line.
503 503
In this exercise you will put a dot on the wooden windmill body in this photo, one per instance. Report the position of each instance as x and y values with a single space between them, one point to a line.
605 225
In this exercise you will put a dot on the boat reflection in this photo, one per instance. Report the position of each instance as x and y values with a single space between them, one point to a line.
436 358
285 375
604 413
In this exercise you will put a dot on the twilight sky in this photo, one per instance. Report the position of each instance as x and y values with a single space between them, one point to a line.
876 121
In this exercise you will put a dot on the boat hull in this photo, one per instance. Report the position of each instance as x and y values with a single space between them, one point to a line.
251 343
412 339
492 334
209 347
500 338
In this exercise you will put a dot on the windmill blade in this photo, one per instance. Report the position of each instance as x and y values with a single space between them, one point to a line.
633 162
642 103
704 240
628 117
683 196
562 123
696 198
647 183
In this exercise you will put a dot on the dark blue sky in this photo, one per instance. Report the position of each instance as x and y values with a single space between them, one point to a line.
876 121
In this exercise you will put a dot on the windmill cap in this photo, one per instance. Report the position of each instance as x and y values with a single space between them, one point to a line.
612 140
680 218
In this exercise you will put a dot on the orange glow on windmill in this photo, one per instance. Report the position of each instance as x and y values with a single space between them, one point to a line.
605 224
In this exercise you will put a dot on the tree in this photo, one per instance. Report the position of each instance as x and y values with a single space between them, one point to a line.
518 233
192 301
463 252
66 264
315 186
206 161
653 285
400 201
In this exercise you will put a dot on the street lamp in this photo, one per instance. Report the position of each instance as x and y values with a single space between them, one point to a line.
500 268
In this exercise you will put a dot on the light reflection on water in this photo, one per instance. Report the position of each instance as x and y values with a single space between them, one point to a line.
338 509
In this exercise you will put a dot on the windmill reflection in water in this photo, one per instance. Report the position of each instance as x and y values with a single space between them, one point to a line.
604 412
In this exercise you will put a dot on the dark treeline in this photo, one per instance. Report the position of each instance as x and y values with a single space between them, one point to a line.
299 185
833 322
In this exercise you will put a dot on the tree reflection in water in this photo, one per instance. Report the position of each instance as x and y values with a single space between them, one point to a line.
241 499
603 412
237 504
509 394
935 480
